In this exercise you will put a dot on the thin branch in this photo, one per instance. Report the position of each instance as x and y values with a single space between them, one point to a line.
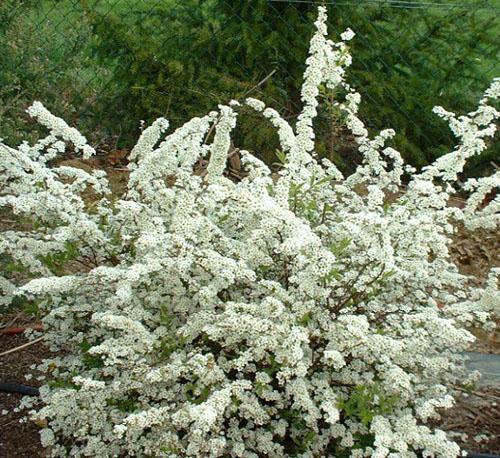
28 344
260 83
350 286
323 213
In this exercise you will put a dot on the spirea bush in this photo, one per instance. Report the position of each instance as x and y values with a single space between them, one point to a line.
291 314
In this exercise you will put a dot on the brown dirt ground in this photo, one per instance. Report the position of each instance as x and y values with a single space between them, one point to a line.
475 414
18 440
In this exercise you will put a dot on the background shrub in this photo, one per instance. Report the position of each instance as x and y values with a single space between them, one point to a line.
127 60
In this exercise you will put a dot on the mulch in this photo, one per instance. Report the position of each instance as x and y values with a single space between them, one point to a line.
474 421
18 440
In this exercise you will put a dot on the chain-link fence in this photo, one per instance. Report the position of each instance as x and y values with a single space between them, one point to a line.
106 64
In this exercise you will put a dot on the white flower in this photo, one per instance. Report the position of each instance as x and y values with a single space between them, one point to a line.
347 35
204 317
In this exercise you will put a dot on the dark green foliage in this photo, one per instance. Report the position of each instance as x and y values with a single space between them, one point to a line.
408 62
90 360
361 441
176 60
405 61
129 60
127 405
196 395
45 56
57 261
62 383
366 402
159 51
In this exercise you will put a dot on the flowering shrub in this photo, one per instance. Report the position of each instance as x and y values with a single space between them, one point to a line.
300 314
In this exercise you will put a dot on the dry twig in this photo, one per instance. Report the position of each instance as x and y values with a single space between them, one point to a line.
28 344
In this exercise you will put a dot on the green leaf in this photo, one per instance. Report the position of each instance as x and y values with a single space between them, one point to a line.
339 248
305 319
281 155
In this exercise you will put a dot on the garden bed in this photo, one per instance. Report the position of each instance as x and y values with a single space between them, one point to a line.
474 423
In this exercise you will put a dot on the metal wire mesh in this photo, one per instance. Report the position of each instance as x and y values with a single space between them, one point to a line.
106 64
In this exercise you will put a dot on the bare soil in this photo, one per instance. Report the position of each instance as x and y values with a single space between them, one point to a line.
474 422
18 440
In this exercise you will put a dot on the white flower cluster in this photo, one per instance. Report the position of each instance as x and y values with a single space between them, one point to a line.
287 314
